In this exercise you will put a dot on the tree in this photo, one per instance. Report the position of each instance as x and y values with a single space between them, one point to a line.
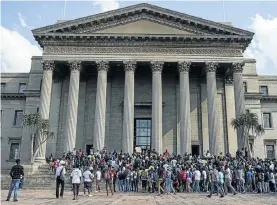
37 126
249 124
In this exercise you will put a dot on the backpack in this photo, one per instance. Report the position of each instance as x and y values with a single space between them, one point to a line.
143 176
62 177
107 175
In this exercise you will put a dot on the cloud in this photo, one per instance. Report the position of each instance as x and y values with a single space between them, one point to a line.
16 52
264 44
106 5
22 20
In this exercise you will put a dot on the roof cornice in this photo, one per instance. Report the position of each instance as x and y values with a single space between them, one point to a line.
155 10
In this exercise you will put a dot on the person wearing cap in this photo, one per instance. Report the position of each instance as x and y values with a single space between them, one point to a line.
60 173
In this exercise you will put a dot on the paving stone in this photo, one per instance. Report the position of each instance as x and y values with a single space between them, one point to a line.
47 197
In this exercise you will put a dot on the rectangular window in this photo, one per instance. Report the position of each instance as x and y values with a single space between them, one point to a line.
22 87
270 151
264 90
40 85
14 151
3 86
143 133
267 120
18 117
245 87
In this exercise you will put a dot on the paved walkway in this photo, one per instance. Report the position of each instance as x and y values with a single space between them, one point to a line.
47 197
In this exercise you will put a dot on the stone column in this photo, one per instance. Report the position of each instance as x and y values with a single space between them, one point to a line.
157 106
128 119
230 114
100 109
204 115
185 127
239 97
45 99
212 106
72 107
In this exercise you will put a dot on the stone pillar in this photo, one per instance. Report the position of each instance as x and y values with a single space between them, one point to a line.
72 108
230 114
204 115
239 97
45 99
185 127
212 106
157 106
128 119
100 109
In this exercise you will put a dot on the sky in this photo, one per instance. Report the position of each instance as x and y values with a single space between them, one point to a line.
19 18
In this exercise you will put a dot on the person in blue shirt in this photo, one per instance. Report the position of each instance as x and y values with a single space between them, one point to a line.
249 175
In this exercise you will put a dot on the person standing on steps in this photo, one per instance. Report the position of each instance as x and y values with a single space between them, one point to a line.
17 172
60 177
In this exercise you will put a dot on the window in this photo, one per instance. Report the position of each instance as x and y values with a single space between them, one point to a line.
40 85
264 90
247 111
270 151
143 133
22 87
245 87
18 117
267 120
3 86
37 109
14 151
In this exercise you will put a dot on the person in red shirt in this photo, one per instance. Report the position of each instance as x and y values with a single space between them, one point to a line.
184 178
80 153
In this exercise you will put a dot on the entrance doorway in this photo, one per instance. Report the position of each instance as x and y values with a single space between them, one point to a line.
195 150
88 147
142 133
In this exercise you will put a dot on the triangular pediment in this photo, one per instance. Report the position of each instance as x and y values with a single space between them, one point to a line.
143 27
141 18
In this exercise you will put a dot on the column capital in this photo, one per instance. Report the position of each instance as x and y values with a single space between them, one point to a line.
130 66
48 65
229 80
75 65
156 66
102 65
237 67
184 66
211 67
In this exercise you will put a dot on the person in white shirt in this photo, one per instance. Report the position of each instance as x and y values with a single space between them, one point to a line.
174 162
197 177
60 173
88 176
98 179
204 180
75 177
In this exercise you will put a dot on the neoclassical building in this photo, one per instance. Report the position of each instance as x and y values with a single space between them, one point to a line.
139 76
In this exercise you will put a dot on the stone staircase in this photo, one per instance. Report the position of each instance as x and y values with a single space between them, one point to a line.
43 178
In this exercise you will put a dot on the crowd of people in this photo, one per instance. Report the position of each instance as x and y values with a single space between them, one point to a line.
166 173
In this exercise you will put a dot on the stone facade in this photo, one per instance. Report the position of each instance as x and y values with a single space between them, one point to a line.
167 72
